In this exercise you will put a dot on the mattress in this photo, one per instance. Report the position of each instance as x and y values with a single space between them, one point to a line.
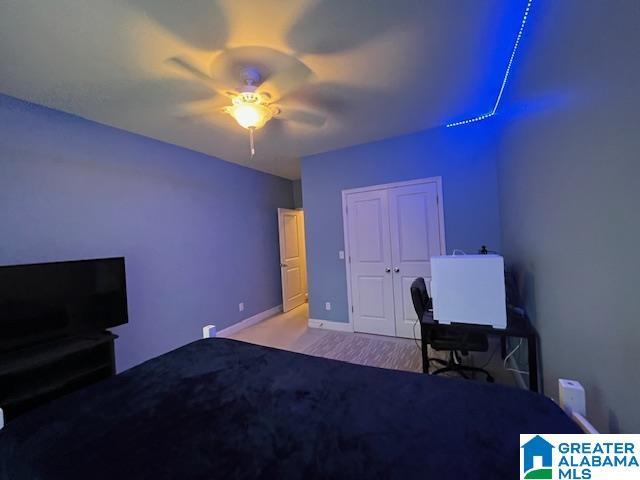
220 408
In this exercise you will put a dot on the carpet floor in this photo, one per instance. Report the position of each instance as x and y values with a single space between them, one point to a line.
290 331
362 350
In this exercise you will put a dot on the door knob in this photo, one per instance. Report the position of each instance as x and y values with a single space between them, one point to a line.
396 269
284 265
388 270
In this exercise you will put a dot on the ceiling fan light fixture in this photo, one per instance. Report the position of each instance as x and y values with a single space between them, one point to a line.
250 111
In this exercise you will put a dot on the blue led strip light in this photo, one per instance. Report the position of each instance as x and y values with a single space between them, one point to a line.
506 74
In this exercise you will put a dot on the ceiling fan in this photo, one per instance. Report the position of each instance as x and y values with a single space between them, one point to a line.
252 103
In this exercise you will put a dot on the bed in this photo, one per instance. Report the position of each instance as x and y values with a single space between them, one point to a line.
220 408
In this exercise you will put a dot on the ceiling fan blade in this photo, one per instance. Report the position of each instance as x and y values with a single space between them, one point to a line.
186 65
212 117
202 106
202 24
301 116
333 26
285 81
332 97
193 115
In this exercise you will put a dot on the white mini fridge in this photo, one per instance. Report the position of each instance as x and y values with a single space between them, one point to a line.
469 289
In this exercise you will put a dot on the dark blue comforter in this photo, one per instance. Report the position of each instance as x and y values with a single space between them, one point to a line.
230 410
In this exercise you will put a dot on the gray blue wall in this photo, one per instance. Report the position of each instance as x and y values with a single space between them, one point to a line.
464 158
199 234
569 171
297 193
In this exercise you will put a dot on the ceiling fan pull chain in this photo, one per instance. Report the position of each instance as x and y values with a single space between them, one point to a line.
253 148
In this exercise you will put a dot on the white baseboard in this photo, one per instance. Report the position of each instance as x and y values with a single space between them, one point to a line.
248 322
329 325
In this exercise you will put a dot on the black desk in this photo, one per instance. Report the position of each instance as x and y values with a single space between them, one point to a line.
517 326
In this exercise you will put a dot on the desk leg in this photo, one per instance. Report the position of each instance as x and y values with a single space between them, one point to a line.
532 345
425 351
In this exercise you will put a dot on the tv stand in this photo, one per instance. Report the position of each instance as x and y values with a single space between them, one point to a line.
40 373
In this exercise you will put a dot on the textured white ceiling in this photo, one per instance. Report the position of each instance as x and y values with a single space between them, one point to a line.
381 68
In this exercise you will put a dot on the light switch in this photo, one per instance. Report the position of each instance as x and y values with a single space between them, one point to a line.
341 254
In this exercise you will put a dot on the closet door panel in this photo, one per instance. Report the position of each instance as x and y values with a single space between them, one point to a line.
415 238
370 263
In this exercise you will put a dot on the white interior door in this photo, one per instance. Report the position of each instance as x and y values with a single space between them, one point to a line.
370 263
293 264
415 237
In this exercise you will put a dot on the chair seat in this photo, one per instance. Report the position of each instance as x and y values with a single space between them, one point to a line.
473 342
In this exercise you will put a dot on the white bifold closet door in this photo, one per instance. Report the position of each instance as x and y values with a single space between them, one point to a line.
392 232
370 261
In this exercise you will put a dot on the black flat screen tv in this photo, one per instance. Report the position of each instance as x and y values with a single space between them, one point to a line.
42 301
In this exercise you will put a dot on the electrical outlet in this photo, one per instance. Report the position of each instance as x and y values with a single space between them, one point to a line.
327 306
241 307
341 254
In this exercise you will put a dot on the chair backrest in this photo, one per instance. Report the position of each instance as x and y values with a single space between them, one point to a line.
420 296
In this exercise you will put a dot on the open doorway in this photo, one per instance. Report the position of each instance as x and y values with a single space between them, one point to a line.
293 258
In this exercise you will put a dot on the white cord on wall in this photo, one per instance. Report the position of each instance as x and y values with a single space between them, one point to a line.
506 359
415 337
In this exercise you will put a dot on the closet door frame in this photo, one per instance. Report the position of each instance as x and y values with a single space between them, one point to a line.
385 186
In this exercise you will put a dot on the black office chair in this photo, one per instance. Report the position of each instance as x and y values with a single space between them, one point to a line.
452 341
